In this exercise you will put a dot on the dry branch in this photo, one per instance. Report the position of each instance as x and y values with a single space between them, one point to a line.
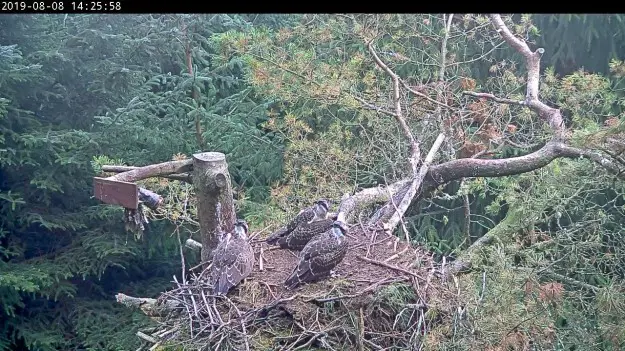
156 170
120 169
414 145
414 185
551 115
192 244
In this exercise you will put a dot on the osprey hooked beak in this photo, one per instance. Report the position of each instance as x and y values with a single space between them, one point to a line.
321 208
241 228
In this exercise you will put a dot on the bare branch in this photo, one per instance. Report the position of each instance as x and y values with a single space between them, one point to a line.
120 169
414 146
156 170
471 167
441 73
532 59
374 107
494 98
192 244
414 185
356 203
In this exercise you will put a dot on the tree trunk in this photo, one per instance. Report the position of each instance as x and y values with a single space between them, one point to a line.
215 207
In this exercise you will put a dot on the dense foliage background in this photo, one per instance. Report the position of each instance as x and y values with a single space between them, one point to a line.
80 91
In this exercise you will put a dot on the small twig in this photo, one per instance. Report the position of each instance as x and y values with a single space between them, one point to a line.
379 263
361 334
494 98
253 236
397 254
260 260
182 263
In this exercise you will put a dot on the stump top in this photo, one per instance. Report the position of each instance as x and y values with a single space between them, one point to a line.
210 156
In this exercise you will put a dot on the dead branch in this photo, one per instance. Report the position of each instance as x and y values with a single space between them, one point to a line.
156 170
414 185
186 177
384 264
192 244
447 172
549 114
494 98
414 145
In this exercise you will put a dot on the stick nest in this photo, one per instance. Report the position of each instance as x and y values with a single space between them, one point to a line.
388 294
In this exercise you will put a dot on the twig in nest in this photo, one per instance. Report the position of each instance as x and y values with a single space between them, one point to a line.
379 263
361 333
397 254
247 343
359 293
260 259
257 234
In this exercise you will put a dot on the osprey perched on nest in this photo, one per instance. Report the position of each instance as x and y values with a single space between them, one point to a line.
308 215
300 236
233 259
320 256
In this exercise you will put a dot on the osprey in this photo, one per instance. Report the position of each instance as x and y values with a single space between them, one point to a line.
320 256
300 236
233 259
310 214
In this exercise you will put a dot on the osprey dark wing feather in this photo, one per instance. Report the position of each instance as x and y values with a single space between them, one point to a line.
317 211
233 260
301 235
320 256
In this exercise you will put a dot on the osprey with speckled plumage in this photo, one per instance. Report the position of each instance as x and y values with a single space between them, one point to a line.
309 215
320 256
300 236
233 260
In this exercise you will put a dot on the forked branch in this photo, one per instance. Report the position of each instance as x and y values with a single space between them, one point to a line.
549 114
399 117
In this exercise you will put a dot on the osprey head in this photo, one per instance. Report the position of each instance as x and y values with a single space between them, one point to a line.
321 208
339 228
241 228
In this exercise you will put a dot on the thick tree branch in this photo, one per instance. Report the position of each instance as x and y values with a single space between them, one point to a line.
354 204
470 167
156 170
151 307
120 169
109 190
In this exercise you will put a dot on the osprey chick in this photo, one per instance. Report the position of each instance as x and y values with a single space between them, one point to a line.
233 259
320 256
300 236
310 214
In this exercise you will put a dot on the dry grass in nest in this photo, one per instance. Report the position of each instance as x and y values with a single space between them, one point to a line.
380 299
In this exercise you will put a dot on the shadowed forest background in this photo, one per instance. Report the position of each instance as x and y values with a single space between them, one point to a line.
81 91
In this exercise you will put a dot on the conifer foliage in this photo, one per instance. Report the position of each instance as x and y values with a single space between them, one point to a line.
136 89
282 96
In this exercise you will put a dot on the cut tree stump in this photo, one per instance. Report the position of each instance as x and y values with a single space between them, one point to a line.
215 206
